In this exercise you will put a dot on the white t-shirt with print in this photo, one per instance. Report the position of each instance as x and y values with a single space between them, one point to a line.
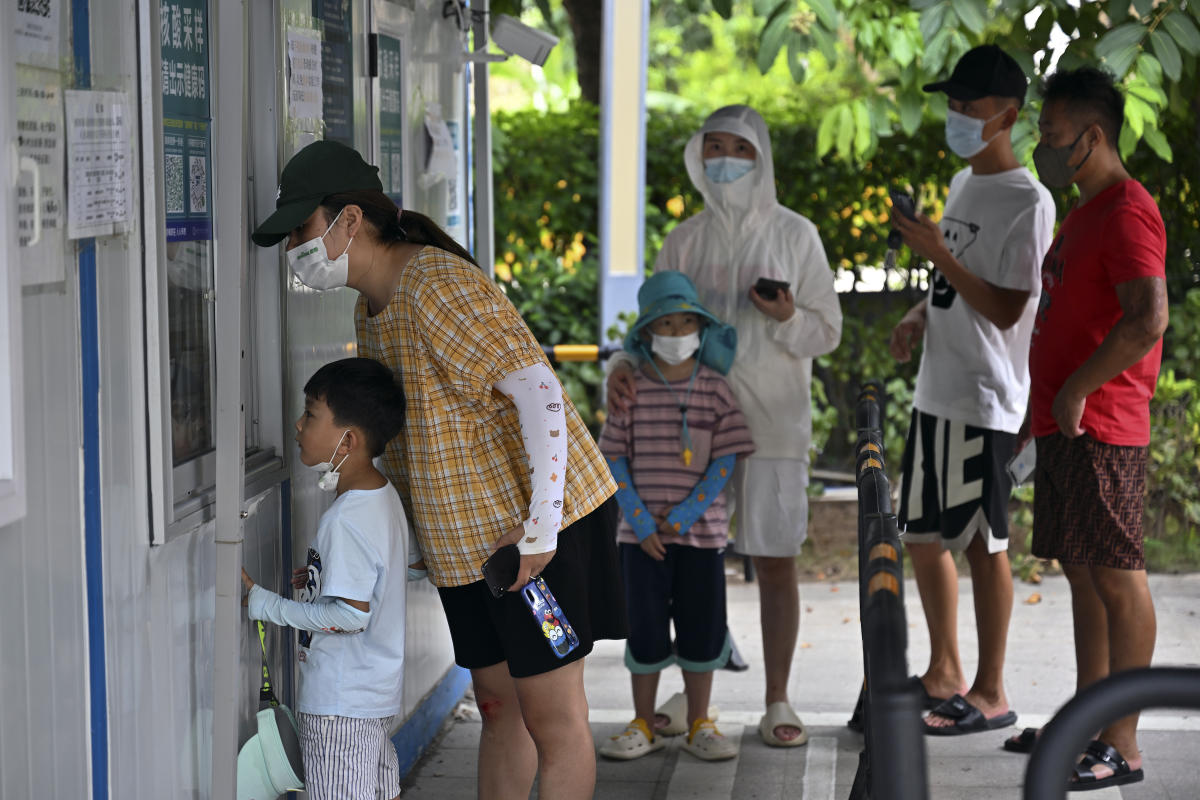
999 227
360 553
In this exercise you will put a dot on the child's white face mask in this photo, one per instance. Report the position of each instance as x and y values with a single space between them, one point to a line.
330 475
675 349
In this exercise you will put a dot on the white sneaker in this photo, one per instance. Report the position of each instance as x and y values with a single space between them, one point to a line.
633 742
707 743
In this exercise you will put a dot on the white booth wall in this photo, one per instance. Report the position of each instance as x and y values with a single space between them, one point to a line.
152 728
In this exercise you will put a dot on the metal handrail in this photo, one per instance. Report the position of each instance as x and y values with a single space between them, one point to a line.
1094 708
562 353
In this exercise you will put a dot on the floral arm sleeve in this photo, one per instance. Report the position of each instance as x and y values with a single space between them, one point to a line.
627 498
684 515
537 394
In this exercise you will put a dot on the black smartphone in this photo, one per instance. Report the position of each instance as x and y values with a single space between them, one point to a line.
769 288
903 203
500 570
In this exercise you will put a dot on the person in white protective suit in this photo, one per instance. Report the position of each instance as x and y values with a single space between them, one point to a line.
744 234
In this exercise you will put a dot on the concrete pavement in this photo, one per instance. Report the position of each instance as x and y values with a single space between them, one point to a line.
825 681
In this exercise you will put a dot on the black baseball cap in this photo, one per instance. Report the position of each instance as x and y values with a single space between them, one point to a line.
984 71
319 170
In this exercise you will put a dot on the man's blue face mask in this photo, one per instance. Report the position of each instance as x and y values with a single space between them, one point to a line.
727 169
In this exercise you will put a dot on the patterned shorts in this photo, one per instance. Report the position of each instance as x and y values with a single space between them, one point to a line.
1088 500
346 758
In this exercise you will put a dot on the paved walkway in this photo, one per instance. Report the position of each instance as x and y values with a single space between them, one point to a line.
824 686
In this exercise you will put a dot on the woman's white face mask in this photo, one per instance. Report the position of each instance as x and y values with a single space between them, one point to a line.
313 267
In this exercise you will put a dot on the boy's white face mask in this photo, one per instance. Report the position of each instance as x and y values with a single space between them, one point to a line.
675 349
330 475
313 267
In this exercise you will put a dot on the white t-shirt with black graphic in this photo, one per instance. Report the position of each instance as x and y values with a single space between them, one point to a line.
999 227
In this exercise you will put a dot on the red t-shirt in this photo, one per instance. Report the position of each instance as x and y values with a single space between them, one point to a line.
1115 237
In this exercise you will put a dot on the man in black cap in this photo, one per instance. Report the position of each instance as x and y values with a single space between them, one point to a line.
972 384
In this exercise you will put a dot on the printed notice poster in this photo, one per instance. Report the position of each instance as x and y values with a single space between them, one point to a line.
304 74
99 194
391 122
36 38
39 110
187 129
337 62
456 224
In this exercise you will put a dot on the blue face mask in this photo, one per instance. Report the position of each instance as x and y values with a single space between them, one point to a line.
727 169
964 135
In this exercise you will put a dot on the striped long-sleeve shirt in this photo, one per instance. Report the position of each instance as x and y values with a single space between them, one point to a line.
649 435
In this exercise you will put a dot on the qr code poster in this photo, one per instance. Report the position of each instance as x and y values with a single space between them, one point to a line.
198 184
173 178
186 182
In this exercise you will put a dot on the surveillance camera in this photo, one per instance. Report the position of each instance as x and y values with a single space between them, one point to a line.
514 36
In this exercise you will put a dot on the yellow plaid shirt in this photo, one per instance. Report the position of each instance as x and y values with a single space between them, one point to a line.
460 463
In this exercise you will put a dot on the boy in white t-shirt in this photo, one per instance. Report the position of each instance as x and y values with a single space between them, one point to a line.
350 611
972 384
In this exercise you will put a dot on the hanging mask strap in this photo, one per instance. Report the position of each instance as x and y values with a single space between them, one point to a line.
685 437
266 694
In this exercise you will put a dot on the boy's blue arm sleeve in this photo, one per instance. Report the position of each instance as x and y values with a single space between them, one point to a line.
627 498
323 615
695 504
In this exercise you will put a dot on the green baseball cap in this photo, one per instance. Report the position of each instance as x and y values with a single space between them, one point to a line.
319 170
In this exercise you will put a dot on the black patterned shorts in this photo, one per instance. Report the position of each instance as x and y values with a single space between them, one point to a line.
1088 501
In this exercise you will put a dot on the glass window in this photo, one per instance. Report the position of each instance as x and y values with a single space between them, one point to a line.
187 187
190 325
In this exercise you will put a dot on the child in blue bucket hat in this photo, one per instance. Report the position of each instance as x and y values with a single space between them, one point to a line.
671 452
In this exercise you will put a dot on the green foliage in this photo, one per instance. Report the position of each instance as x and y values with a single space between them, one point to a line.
1172 489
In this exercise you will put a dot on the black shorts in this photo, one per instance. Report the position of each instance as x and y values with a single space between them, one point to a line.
688 588
586 580
955 484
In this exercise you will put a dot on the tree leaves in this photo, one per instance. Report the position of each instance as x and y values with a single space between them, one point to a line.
911 106
1120 38
1167 52
1183 31
973 14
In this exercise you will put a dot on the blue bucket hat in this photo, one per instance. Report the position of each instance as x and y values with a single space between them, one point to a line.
671 292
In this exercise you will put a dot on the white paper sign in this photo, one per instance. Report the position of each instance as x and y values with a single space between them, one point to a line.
100 198
440 161
36 38
305 99
40 138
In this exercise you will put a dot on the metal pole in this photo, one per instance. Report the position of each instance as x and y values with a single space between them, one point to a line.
482 129
230 242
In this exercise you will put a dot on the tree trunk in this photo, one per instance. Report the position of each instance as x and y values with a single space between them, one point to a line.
587 18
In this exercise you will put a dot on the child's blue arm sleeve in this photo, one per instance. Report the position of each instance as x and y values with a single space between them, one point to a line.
627 498
323 615
695 504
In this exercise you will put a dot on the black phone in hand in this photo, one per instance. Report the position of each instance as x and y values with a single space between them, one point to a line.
903 204
500 570
768 288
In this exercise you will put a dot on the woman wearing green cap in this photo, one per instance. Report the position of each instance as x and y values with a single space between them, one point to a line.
492 454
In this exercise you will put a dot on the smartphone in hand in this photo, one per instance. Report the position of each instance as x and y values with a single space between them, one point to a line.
903 204
500 570
769 288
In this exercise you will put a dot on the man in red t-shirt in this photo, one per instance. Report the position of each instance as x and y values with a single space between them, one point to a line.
1093 365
